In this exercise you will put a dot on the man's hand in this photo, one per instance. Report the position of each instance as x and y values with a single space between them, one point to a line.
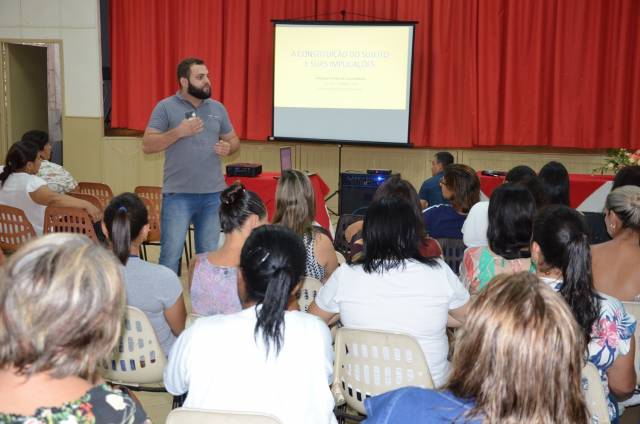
188 127
222 148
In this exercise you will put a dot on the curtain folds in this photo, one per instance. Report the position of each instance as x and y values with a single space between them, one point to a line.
561 73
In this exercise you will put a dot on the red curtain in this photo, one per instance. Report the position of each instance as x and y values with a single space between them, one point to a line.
562 73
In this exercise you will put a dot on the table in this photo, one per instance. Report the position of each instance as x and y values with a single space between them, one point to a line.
587 193
264 185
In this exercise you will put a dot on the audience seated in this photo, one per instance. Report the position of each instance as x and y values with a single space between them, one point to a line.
503 369
296 209
555 182
615 262
511 212
461 187
396 288
474 229
62 303
395 186
153 288
58 179
264 358
560 250
430 192
21 188
213 277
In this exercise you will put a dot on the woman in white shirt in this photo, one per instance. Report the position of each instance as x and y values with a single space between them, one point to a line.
396 288
21 188
58 179
266 358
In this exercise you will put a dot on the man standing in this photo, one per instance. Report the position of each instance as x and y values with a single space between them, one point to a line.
193 131
430 193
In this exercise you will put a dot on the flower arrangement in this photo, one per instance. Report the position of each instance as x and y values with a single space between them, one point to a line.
617 159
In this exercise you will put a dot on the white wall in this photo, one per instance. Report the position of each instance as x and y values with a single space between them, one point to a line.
76 23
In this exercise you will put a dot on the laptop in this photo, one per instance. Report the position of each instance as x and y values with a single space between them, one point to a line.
286 160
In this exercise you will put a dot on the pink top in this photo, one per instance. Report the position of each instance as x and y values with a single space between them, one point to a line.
214 289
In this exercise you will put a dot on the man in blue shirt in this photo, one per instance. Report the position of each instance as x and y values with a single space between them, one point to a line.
430 193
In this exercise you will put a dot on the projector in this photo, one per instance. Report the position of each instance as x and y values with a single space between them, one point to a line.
244 169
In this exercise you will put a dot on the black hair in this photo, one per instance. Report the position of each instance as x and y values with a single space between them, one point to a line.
555 182
124 217
511 212
272 262
396 187
41 138
518 173
238 204
391 233
463 182
19 154
563 238
534 185
444 158
184 67
629 175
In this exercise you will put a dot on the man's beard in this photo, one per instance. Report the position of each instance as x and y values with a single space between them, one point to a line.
199 93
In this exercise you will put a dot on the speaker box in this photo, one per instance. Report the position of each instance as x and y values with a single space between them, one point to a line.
357 190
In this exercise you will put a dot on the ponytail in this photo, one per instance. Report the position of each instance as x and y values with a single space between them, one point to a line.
577 288
562 236
19 154
272 262
124 217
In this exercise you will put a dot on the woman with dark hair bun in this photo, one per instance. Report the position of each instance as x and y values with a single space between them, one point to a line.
560 249
21 188
153 288
396 288
511 212
213 276
58 179
265 358
555 182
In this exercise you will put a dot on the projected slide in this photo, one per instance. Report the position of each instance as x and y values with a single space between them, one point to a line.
342 82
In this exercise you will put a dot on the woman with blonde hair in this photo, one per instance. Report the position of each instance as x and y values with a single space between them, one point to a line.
502 372
615 262
62 300
296 210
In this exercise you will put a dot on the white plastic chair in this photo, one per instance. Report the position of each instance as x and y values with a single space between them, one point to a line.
594 394
633 308
137 361
191 318
370 362
199 416
308 293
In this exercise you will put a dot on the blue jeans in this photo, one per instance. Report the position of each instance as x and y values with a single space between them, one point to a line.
178 211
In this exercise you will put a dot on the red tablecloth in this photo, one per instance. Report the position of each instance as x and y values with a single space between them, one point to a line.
264 185
587 193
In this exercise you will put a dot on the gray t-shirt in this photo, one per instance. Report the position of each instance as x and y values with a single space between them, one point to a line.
190 164
153 288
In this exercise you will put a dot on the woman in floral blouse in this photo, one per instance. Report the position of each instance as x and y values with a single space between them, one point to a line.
62 300
560 249
58 179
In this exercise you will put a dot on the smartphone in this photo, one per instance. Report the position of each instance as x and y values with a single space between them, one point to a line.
190 115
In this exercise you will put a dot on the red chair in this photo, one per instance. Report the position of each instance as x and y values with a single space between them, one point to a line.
15 228
68 220
102 191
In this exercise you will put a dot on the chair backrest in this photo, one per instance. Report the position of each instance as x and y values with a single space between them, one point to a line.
89 198
152 198
308 292
340 243
370 362
102 191
452 252
137 358
633 308
68 220
15 228
594 394
199 416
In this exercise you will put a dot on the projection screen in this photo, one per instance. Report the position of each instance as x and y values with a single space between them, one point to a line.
342 82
